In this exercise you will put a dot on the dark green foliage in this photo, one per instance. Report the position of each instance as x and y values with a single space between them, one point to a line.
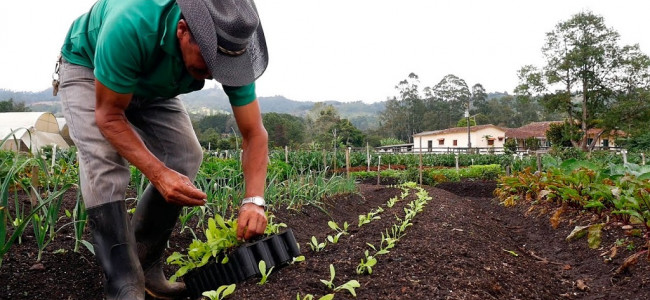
284 129
531 143
510 146
10 106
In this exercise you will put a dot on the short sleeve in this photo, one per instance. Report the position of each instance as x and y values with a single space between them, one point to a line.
118 56
240 95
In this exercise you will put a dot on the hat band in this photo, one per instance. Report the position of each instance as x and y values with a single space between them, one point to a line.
231 52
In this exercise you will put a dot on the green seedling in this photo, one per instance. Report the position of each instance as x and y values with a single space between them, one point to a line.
272 227
264 272
365 267
373 215
338 229
330 283
297 259
513 253
221 293
315 245
391 202
349 286
334 239
311 297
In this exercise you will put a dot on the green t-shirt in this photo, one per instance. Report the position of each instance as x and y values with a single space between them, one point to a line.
133 48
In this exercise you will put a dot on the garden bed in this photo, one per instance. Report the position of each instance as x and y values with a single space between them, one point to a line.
463 245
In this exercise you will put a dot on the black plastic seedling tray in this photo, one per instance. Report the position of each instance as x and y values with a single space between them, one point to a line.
276 250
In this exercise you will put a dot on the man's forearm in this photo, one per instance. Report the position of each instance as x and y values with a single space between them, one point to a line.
254 164
128 144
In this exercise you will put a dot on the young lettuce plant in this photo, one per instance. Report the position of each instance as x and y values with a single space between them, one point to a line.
373 215
264 272
311 297
365 267
315 245
349 286
221 293
272 227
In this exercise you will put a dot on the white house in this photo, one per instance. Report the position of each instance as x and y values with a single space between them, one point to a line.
32 131
482 137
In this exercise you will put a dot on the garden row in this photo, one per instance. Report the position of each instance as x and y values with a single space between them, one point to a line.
616 195
403 208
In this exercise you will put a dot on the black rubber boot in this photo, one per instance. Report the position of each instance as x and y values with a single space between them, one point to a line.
115 250
153 222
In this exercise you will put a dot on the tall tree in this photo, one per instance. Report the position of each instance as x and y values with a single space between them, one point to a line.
403 115
284 129
448 100
583 73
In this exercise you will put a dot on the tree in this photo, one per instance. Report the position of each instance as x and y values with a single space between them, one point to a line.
348 135
10 106
561 134
403 115
463 122
284 129
320 121
586 74
447 101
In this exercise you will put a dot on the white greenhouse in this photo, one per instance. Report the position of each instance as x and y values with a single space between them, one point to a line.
29 131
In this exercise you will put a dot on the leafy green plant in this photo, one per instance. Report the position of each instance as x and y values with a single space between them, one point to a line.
272 227
349 286
311 297
221 293
220 235
315 245
366 264
370 216
264 272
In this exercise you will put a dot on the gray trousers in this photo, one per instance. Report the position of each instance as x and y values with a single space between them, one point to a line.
162 123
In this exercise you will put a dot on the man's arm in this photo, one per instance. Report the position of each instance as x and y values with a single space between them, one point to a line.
251 220
112 122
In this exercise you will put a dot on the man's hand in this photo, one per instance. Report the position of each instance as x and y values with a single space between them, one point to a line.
251 221
178 189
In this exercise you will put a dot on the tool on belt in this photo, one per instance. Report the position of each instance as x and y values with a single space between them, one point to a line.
55 76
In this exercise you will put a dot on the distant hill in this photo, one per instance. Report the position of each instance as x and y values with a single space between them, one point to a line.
362 115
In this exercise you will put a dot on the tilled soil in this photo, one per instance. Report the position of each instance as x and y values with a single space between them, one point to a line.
463 245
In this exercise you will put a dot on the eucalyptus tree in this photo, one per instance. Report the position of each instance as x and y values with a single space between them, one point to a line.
447 100
404 114
583 73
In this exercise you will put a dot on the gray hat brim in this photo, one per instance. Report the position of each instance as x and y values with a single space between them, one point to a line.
228 70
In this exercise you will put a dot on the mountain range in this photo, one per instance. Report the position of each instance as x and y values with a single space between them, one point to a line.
363 115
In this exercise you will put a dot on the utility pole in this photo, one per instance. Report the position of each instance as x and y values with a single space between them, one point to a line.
469 140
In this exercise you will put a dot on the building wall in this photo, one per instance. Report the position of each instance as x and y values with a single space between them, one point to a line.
477 138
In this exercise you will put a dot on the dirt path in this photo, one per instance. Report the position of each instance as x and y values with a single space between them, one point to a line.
461 246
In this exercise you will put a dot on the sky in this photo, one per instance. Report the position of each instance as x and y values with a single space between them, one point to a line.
351 50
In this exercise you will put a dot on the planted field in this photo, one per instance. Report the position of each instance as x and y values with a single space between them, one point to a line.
453 241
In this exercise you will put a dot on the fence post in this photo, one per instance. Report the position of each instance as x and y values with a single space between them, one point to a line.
347 162
507 170
456 162
624 153
643 159
286 154
368 155
420 161
378 168
539 161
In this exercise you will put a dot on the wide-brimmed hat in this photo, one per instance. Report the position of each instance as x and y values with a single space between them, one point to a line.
230 38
